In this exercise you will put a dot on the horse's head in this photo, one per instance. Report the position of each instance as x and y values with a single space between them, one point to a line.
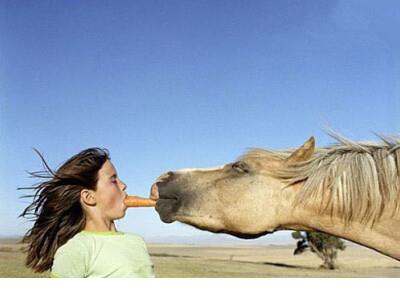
239 198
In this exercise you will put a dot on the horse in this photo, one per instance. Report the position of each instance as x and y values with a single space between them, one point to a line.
349 190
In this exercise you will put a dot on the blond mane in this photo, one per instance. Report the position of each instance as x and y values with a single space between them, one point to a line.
355 180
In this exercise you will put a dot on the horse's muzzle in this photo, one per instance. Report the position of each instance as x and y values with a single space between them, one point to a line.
168 201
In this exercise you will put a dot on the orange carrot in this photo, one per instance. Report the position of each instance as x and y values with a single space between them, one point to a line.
135 201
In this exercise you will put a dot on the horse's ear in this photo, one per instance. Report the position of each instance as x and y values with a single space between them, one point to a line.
303 153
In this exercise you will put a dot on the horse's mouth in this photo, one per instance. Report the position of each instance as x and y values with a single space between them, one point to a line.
167 204
167 207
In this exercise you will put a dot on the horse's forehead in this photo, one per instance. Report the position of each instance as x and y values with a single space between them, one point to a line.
183 171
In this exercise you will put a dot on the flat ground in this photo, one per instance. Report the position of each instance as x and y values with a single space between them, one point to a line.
233 261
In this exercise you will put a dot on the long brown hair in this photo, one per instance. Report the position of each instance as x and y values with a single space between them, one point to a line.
56 209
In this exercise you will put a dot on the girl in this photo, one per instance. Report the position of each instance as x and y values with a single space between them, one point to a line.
74 210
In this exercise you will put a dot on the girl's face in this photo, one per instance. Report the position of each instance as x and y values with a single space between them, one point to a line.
110 193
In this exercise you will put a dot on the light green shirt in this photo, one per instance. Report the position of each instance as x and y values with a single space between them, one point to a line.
103 254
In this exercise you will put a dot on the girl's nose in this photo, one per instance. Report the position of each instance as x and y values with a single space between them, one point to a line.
124 186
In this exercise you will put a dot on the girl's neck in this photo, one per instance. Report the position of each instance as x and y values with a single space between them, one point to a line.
99 225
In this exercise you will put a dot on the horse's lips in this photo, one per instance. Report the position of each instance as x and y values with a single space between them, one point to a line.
167 208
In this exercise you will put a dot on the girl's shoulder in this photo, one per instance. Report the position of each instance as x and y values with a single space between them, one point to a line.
78 242
87 237
134 237
72 258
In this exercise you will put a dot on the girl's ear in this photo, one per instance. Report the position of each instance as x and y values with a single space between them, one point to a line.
88 198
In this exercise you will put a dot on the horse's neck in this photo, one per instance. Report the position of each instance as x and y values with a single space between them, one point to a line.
383 237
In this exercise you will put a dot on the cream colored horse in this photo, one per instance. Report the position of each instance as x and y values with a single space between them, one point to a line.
350 190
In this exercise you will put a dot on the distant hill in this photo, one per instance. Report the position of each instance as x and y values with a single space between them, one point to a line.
219 239
10 240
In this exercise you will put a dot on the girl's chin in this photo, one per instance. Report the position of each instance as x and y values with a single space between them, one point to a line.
121 214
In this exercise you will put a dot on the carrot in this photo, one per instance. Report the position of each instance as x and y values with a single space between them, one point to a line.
136 201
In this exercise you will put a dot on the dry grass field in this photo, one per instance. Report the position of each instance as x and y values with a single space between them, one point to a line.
179 261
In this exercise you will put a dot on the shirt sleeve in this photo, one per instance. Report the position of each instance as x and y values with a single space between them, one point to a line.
70 261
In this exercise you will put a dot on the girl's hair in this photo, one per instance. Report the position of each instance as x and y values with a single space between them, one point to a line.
56 209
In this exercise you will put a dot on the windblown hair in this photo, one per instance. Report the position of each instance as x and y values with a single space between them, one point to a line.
356 181
56 209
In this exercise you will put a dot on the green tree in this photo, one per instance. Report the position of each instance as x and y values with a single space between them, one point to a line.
325 246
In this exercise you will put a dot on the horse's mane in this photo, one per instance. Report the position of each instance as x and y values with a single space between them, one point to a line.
355 180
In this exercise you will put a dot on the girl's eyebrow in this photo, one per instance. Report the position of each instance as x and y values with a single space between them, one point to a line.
114 175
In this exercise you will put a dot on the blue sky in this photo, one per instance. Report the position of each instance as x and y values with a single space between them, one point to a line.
172 84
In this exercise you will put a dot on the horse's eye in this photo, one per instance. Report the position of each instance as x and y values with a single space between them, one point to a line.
240 167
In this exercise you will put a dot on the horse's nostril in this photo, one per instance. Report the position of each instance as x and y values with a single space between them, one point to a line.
154 194
166 177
